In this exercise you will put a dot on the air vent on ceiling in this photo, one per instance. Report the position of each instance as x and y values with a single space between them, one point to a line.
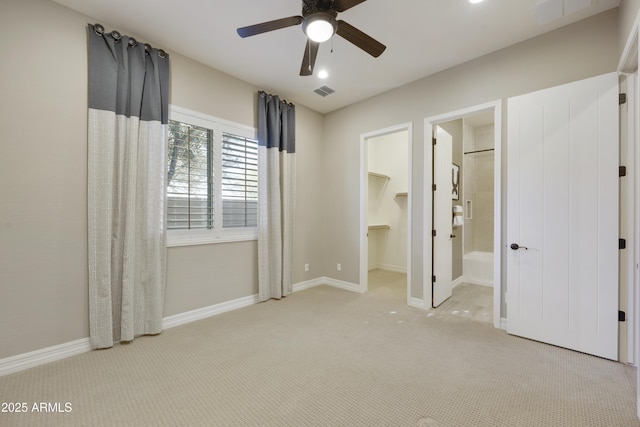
324 90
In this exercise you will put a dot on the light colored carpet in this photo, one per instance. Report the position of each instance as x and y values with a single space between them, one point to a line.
473 302
327 357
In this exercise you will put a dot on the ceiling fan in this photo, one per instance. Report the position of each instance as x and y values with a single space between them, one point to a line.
319 23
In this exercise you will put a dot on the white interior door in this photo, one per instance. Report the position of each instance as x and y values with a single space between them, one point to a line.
562 216
442 217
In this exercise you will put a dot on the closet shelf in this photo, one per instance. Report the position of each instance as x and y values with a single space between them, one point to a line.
379 227
402 194
379 175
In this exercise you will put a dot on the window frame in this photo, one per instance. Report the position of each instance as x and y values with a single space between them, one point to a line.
218 234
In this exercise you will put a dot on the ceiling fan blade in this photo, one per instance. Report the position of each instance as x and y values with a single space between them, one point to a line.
342 5
360 39
264 27
309 59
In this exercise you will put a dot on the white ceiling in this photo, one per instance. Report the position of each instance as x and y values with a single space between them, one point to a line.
422 38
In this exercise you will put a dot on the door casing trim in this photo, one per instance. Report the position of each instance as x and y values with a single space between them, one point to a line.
429 123
364 226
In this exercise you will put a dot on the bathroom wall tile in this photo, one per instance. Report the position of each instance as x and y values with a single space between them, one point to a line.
469 232
484 206
483 240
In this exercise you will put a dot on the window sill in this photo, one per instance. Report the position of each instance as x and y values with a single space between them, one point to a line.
177 240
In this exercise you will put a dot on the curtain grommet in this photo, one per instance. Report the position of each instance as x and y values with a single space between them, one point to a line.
116 36
162 53
98 29
147 47
133 42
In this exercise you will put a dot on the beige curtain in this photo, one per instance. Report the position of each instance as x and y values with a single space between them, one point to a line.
127 140
276 195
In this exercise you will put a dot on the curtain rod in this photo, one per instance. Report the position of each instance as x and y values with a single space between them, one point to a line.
479 151
282 101
99 30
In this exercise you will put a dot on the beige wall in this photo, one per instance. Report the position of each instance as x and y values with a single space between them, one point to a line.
43 214
584 49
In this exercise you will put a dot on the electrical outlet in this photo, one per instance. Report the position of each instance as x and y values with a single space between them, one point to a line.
339 267
306 267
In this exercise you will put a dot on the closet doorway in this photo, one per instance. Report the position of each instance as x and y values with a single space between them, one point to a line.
385 209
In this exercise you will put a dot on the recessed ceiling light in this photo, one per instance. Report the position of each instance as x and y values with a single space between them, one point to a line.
323 74
475 1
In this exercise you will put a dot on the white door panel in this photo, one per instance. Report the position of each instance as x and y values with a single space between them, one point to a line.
562 205
442 217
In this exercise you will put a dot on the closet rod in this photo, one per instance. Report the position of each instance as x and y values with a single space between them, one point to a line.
479 151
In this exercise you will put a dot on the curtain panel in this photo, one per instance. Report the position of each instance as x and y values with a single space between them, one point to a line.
127 172
276 195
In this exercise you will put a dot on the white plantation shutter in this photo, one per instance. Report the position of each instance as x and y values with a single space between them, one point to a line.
239 181
189 189
212 191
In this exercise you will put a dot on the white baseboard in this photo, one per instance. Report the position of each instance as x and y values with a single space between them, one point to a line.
24 361
416 303
353 287
394 268
309 284
340 284
460 280
464 279
389 267
203 313
479 282
325 281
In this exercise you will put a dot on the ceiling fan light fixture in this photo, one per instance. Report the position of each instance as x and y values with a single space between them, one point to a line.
319 23
319 27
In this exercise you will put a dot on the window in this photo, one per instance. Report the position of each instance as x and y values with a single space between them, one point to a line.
239 181
212 180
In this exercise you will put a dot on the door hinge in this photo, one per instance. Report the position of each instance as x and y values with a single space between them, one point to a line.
622 244
434 141
433 279
622 171
622 98
622 316
433 233
434 187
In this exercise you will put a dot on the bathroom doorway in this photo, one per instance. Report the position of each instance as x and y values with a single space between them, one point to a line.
472 213
385 211
475 211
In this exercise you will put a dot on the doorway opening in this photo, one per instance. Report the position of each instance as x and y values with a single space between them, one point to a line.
475 210
385 211
463 218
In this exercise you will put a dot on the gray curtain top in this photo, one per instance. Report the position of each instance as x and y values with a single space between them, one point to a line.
127 77
276 123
